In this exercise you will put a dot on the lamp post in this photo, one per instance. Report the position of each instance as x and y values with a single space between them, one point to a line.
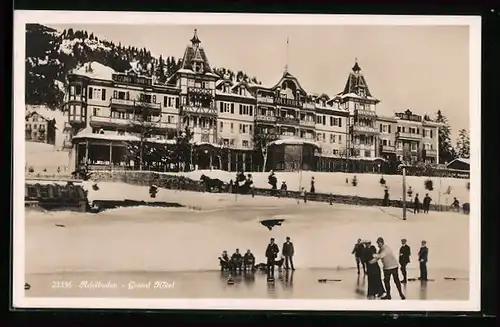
206 154
403 169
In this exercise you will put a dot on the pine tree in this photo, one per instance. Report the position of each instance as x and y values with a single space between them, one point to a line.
446 151
86 35
91 36
463 144
71 34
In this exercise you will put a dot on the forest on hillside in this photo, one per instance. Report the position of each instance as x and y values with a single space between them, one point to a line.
52 54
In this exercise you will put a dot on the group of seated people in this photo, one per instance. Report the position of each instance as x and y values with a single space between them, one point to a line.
237 261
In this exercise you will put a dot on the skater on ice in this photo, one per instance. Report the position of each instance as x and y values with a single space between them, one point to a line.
375 287
416 203
288 252
272 251
423 255
390 267
426 203
404 259
358 253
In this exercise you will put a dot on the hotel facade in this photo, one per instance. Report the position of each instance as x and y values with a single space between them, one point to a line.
108 111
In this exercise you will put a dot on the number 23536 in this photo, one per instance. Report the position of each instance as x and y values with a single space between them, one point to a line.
62 284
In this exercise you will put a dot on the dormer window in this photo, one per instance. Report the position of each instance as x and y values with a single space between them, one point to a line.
362 92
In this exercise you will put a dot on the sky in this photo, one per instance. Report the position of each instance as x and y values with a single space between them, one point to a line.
421 68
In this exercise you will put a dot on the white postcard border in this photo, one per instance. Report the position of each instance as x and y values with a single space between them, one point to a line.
21 18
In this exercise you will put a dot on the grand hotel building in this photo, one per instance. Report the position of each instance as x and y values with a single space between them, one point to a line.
317 132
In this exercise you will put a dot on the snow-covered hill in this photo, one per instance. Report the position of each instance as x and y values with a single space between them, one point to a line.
52 54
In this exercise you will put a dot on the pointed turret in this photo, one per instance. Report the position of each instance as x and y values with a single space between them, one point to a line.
356 84
195 41
356 67
195 58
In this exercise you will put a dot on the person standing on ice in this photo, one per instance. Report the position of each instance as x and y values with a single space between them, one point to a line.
404 258
313 188
375 287
423 255
288 252
416 204
272 251
390 266
426 203
358 254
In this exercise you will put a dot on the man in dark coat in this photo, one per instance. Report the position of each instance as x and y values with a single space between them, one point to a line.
358 253
248 260
225 263
423 255
288 252
404 258
416 204
427 203
236 260
385 202
272 251
273 181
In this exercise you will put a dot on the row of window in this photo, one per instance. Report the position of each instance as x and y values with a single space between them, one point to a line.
386 128
40 127
230 142
333 138
228 107
412 146
243 128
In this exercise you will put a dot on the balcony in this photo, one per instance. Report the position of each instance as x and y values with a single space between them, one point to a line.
199 90
288 102
265 119
114 102
388 148
408 136
287 121
206 111
364 129
308 123
114 121
308 105
154 106
261 99
430 153
128 104
365 113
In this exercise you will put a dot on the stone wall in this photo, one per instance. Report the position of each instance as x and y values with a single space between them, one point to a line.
183 183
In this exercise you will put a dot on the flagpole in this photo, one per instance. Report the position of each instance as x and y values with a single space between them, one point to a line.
286 60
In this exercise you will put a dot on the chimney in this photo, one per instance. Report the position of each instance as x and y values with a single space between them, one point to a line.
90 67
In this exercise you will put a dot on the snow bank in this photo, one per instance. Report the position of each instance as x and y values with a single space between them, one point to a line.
43 156
368 184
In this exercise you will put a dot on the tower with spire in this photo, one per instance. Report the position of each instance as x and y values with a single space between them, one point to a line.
196 81
362 139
